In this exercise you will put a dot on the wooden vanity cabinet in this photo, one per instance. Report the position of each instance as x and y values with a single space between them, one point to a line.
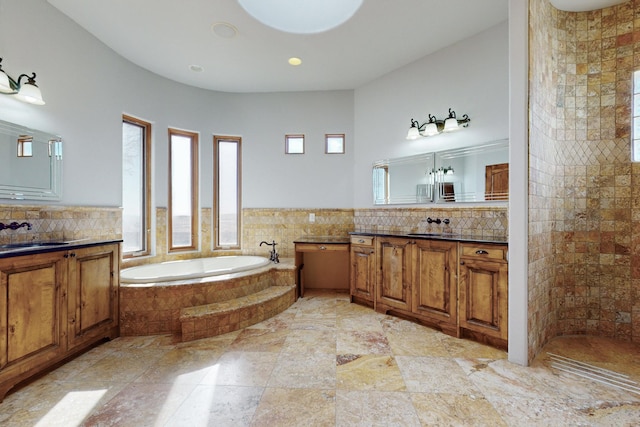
394 260
93 294
483 313
55 304
32 302
435 283
363 270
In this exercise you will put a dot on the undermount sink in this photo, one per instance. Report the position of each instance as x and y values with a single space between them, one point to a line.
31 245
432 234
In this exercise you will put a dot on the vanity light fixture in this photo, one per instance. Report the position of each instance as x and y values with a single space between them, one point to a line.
25 91
435 126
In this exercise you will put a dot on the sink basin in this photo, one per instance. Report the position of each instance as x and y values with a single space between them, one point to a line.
31 245
432 234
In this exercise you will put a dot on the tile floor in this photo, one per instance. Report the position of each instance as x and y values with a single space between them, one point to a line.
326 362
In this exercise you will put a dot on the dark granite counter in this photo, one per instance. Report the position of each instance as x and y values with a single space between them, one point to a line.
32 248
437 236
326 240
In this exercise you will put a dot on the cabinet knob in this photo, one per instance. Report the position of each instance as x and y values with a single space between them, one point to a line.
322 248
361 241
461 262
481 252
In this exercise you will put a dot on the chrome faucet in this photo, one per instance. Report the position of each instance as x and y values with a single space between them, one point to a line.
14 226
273 254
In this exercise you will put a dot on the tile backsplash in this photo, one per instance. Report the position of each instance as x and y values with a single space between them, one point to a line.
60 223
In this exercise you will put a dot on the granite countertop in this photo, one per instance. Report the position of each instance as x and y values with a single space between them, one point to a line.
339 240
437 236
32 248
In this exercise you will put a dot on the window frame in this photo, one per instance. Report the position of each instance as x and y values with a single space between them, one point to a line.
287 146
329 136
216 191
194 136
146 191
635 116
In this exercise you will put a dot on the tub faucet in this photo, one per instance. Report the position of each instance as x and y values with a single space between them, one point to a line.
273 254
14 226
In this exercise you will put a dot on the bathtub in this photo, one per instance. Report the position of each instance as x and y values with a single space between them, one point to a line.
153 296
190 269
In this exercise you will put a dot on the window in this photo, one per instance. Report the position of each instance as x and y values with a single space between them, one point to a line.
25 146
183 189
227 201
294 144
136 186
635 134
334 144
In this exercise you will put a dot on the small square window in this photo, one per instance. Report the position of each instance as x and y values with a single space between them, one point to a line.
294 144
25 146
334 143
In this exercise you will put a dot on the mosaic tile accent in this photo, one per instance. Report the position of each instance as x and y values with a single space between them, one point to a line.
584 231
61 223
481 222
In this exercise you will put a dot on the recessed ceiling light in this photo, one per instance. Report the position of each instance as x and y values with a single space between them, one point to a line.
196 68
295 61
224 30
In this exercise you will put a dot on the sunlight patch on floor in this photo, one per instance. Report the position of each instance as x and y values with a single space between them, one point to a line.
72 409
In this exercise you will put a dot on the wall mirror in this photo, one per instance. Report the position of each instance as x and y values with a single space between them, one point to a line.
30 163
478 173
403 180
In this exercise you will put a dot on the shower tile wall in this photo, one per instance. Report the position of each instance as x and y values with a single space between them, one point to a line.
584 197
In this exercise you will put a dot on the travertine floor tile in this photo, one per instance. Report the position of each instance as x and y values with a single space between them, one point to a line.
325 361
375 408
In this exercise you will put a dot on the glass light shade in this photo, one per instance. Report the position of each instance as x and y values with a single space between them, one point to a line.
30 93
5 86
431 129
413 133
450 124
301 17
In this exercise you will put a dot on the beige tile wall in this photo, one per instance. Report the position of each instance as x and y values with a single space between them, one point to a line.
584 197
61 223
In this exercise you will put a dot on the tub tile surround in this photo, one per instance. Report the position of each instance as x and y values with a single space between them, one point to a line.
584 192
290 370
156 309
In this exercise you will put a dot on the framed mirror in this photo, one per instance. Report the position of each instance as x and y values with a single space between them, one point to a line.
478 173
30 163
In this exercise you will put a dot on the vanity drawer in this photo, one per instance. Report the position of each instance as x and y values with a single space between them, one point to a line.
362 240
319 247
498 253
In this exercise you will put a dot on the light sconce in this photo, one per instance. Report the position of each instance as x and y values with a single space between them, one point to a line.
442 171
435 126
26 91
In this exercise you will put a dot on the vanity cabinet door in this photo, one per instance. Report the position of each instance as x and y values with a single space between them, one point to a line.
363 269
394 274
31 320
483 312
435 290
93 293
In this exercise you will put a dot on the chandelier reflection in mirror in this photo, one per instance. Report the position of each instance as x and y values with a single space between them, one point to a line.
435 126
27 91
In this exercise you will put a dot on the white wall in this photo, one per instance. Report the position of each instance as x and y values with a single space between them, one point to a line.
471 77
87 87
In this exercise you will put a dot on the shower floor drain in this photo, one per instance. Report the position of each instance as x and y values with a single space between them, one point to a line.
601 375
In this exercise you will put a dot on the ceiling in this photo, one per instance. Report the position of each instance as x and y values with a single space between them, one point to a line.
169 37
